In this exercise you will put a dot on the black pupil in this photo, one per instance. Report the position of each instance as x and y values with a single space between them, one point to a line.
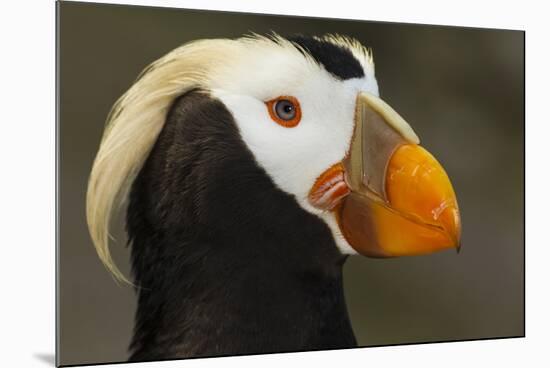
285 110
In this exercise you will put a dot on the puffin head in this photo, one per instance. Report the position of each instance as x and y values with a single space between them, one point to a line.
309 112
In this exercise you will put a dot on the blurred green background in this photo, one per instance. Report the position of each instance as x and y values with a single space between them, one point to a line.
461 89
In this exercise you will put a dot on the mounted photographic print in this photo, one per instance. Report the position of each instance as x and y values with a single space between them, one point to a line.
233 184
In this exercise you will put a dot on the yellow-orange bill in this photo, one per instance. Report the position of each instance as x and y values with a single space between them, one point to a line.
418 216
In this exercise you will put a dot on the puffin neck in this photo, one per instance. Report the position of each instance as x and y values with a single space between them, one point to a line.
211 302
225 262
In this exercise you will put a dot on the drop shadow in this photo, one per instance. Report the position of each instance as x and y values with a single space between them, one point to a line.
47 358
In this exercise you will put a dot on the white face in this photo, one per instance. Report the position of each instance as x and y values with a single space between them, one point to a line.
294 157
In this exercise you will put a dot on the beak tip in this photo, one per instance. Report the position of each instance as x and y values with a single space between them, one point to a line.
450 221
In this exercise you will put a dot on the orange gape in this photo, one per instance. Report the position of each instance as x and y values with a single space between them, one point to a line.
334 171
329 188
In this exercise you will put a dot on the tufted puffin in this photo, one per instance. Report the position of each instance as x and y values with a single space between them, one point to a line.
250 169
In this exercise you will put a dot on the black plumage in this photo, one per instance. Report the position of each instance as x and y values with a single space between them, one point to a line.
336 59
225 262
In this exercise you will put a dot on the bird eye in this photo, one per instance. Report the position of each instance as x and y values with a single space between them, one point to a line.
285 111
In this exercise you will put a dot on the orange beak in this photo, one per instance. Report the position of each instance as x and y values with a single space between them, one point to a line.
390 196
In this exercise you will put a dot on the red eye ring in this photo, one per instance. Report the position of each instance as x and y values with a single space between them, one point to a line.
285 111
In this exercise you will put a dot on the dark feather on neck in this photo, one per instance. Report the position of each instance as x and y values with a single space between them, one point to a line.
225 262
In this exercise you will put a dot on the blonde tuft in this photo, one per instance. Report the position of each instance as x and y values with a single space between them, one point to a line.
132 128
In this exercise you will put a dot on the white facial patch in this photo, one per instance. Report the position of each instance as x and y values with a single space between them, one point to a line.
293 157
